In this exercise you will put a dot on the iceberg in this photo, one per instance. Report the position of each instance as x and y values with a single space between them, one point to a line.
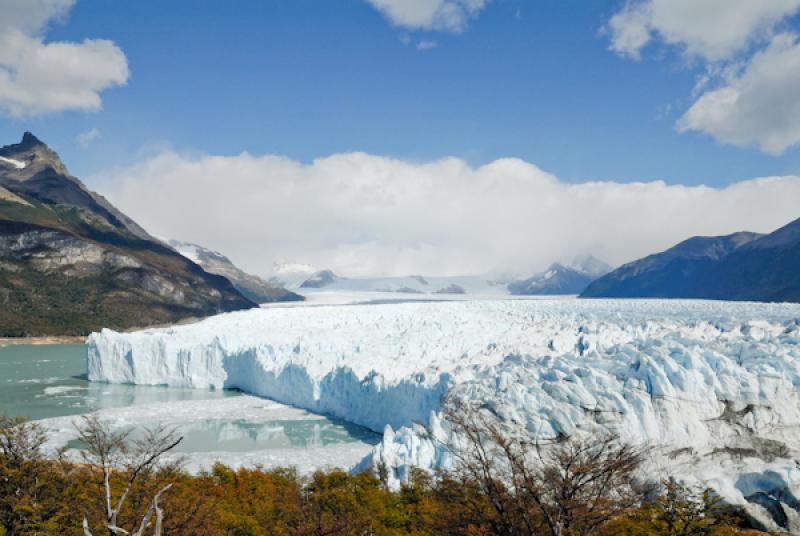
711 385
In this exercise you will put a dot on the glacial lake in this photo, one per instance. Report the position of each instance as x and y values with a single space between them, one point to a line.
43 381
48 382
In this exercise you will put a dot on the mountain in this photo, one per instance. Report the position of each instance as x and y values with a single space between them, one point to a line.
740 266
251 286
71 263
323 278
291 274
311 280
590 265
561 279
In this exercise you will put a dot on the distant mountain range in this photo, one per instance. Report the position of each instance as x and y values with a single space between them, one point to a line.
251 286
71 263
558 279
740 266
561 279
306 278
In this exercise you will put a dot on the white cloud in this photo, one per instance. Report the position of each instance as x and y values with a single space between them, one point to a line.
760 106
712 29
748 94
438 15
85 139
427 45
39 77
361 214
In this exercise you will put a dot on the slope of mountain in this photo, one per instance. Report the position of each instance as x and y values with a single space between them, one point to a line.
320 279
71 263
740 266
290 274
590 265
561 279
251 286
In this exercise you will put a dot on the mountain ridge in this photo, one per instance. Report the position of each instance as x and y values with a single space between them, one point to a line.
742 266
72 263
251 286
560 279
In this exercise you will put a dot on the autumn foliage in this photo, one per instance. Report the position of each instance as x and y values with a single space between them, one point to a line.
42 496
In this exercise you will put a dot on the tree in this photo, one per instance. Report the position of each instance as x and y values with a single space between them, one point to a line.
138 461
569 487
25 485
681 510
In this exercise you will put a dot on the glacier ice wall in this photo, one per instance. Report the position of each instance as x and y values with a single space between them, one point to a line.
706 382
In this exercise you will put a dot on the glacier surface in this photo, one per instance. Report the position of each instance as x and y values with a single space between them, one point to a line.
712 385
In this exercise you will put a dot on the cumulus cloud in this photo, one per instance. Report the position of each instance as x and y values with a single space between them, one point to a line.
39 77
437 15
85 139
711 29
360 214
760 106
748 94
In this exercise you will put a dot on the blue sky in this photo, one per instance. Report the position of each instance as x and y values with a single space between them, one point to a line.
442 137
309 78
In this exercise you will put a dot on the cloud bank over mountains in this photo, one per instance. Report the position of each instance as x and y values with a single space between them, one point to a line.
361 214
39 77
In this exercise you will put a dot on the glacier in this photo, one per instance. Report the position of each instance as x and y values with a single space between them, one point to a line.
713 386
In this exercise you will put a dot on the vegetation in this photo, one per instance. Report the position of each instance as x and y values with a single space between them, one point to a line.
133 283
124 486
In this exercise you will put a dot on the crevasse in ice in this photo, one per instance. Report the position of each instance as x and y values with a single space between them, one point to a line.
713 385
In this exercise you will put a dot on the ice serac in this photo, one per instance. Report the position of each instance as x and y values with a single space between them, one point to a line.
712 385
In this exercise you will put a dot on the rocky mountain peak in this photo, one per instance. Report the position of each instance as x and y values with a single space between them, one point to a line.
30 157
29 140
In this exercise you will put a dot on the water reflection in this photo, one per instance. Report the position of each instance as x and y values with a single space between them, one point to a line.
216 435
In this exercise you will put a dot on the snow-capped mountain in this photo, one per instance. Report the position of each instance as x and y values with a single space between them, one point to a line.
306 278
251 286
321 279
590 265
290 274
415 284
561 279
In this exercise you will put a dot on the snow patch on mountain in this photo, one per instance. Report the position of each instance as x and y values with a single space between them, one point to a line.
16 163
191 251
291 274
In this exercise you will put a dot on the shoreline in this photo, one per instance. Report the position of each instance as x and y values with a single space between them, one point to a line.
58 339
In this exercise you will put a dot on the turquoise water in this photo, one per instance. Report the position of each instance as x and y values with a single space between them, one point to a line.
42 381
246 436
39 382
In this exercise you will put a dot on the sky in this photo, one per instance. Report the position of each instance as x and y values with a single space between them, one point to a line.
385 137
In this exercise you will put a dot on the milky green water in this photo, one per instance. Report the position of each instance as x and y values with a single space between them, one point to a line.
39 382
44 381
